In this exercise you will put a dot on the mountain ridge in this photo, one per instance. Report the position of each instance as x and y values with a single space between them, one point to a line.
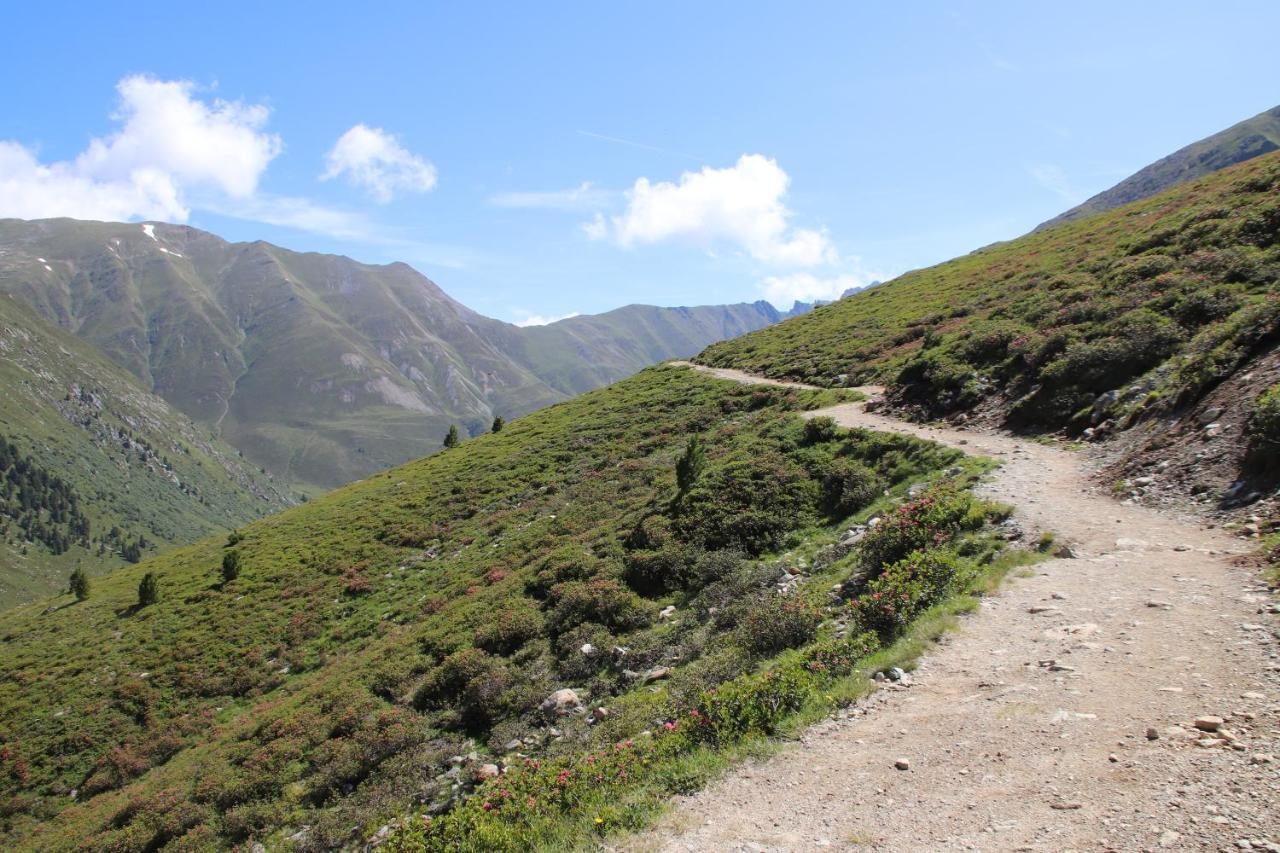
321 368
1242 141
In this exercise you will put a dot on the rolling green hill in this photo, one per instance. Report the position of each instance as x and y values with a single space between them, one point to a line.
321 369
1163 315
1244 141
382 644
133 463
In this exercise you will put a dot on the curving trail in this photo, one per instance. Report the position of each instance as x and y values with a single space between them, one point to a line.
1026 729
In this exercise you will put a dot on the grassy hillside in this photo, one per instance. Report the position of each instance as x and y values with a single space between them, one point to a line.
130 463
380 643
319 368
1244 141
1133 313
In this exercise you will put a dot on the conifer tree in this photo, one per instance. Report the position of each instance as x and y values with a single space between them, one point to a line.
451 437
690 464
79 584
230 566
148 590
498 424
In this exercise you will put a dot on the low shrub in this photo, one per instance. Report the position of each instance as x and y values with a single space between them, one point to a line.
509 629
818 430
1264 429
910 586
774 622
747 505
849 486
838 656
750 705
602 600
929 520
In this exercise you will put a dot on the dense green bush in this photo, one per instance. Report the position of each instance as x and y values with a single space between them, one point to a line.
908 587
931 519
230 566
78 585
751 705
837 657
603 600
509 629
848 486
747 505
818 430
148 590
469 681
773 622
1264 429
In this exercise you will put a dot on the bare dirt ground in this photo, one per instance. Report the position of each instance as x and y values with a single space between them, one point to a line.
1060 716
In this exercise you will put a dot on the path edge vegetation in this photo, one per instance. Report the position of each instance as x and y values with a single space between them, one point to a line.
624 787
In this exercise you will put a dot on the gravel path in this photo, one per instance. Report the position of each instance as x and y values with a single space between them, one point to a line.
1061 716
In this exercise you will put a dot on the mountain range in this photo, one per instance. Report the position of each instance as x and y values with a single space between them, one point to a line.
318 368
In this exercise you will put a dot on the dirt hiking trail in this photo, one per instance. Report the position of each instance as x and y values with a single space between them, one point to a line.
1059 716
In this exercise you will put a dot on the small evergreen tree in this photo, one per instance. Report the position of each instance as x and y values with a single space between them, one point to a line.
451 437
498 424
230 566
79 584
690 465
148 590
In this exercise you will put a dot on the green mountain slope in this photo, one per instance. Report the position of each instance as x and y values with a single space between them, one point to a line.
133 462
432 611
1135 317
586 352
1244 141
319 368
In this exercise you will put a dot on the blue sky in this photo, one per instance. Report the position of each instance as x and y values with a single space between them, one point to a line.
537 160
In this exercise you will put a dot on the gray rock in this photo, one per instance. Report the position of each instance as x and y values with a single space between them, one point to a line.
656 674
902 764
563 701
1208 723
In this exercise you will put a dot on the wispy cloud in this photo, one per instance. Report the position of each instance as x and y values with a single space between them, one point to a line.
299 213
582 197
642 145
1055 181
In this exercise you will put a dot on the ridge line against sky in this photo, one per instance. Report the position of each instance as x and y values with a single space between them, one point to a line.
659 155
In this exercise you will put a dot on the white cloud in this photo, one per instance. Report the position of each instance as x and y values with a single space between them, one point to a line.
582 197
169 142
783 290
741 205
538 320
375 160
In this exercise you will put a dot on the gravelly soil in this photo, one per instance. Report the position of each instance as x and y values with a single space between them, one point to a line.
1027 728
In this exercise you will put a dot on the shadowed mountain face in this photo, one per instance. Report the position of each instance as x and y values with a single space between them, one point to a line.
1244 141
136 473
319 368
